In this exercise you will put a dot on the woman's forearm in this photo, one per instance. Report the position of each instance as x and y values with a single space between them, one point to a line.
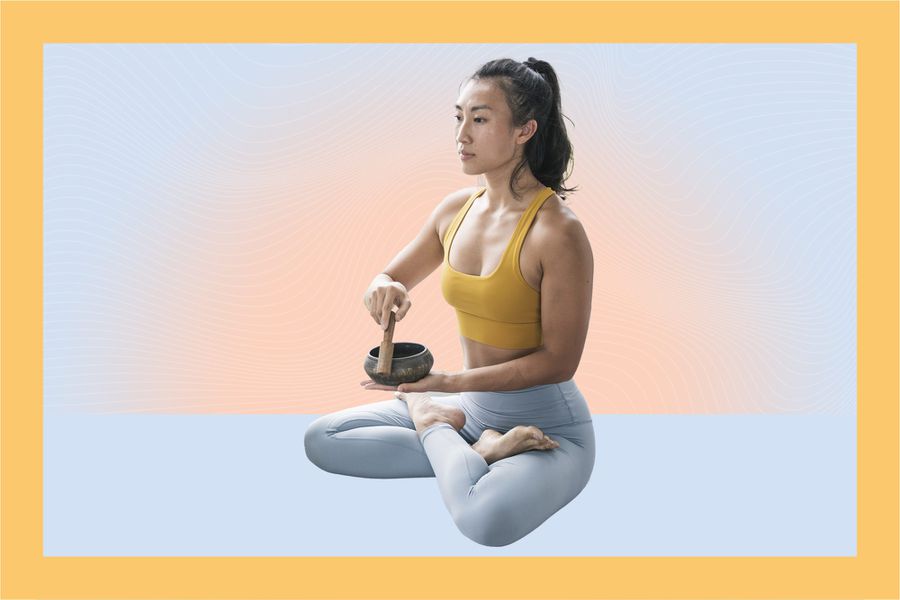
538 368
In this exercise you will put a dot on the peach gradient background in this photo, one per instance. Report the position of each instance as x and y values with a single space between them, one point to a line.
214 212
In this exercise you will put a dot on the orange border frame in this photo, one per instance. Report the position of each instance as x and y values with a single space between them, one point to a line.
26 573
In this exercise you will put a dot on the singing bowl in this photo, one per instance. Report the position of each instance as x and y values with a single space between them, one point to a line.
410 362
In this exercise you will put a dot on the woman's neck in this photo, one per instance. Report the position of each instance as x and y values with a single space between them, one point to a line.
500 197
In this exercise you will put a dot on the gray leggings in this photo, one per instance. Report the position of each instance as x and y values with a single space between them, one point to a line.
494 504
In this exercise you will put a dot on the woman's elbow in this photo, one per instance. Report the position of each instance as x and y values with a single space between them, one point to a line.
566 374
561 366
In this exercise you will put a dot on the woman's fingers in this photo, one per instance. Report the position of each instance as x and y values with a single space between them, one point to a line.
386 315
375 305
381 300
404 308
371 385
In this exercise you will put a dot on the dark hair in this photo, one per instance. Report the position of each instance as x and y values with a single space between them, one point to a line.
532 92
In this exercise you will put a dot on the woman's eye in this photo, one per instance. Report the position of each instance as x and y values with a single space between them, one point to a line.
477 119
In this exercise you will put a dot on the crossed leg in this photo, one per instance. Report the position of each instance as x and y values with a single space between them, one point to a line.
376 440
492 503
379 440
500 503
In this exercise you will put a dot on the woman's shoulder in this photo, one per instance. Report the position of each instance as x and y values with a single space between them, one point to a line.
555 222
456 199
450 206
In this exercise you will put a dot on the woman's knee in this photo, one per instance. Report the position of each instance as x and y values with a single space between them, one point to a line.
492 519
488 524
315 442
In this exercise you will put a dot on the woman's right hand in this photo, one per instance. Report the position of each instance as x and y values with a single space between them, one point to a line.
382 296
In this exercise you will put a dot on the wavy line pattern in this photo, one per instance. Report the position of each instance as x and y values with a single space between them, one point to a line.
213 214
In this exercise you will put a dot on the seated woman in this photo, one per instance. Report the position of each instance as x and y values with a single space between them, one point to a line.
512 441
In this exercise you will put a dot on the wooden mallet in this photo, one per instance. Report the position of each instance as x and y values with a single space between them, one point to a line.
386 352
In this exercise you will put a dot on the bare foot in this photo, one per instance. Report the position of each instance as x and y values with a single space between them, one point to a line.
493 446
425 412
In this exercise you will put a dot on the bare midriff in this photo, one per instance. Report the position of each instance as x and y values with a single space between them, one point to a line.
476 354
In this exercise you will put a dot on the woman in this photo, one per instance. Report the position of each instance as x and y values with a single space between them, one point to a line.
511 441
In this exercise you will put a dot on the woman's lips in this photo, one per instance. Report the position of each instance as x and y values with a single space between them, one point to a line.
465 156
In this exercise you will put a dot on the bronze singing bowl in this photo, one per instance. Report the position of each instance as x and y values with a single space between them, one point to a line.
410 362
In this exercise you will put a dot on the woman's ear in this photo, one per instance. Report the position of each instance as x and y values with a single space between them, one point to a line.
527 131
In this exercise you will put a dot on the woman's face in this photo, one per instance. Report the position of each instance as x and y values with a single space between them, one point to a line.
484 128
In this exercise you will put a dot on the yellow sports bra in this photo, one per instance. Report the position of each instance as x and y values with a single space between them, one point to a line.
499 309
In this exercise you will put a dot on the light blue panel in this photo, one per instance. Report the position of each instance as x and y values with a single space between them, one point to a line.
240 485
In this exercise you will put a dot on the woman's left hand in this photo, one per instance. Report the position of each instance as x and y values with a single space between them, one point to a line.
435 381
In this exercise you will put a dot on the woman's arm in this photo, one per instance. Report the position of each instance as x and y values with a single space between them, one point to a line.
411 265
426 252
566 290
